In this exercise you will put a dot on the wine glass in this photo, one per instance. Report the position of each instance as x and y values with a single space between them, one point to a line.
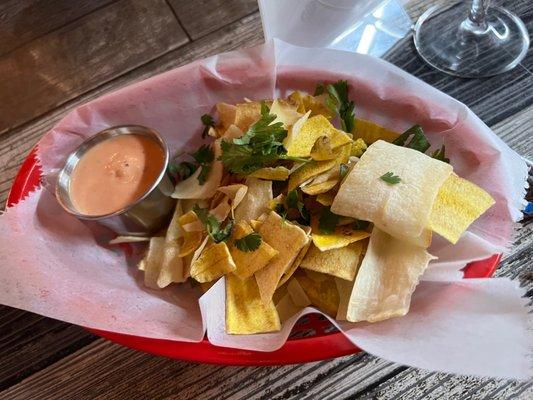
471 40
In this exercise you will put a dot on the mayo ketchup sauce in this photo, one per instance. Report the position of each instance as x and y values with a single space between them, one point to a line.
115 173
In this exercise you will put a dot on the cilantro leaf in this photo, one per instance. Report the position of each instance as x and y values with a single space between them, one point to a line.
260 146
390 178
304 213
339 102
212 225
327 221
440 154
320 89
182 170
249 243
292 199
418 140
208 122
204 154
204 173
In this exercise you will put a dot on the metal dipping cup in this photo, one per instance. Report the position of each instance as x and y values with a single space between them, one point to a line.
141 218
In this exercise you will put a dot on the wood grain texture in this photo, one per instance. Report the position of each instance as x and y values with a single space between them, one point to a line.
83 55
201 17
24 20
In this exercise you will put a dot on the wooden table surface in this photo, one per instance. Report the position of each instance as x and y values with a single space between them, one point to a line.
58 54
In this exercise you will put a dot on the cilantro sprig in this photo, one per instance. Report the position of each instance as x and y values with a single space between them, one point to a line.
203 158
390 178
339 103
212 225
259 147
208 122
414 138
249 243
328 221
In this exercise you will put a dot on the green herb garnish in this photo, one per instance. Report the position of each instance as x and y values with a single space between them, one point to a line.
418 140
328 221
259 147
208 122
440 154
204 156
390 178
281 210
339 103
182 170
212 225
249 243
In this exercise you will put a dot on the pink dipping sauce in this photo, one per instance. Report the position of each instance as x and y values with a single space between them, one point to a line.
115 173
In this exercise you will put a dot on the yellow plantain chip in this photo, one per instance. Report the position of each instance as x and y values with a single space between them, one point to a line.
342 236
341 262
246 313
286 308
285 112
129 239
459 203
320 289
246 114
401 208
235 193
319 188
314 128
322 149
247 263
371 132
271 173
190 222
295 264
294 130
288 239
309 171
226 114
151 262
314 104
344 288
386 278
214 261
172 264
256 201
326 199
297 293
255 224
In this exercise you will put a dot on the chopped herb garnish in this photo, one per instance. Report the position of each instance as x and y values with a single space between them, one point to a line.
208 122
418 140
328 221
305 217
259 147
440 154
339 103
390 178
249 243
320 89
343 170
212 225
204 154
292 199
182 170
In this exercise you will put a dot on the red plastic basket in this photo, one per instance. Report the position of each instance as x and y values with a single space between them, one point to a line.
313 337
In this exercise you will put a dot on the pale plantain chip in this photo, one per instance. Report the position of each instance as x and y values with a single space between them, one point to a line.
286 308
256 200
401 209
246 313
172 265
297 293
285 113
151 262
386 278
235 193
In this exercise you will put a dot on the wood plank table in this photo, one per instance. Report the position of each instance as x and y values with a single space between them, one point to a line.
58 54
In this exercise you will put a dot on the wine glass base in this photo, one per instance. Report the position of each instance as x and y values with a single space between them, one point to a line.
447 41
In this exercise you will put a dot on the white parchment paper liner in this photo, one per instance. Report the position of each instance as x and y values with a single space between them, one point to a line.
51 264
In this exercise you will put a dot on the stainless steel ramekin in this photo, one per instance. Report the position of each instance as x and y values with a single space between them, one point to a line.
141 218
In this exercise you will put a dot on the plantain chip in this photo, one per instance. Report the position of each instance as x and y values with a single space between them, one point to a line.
246 114
246 312
371 132
341 262
285 112
321 290
214 261
247 263
226 114
314 189
279 173
256 200
309 171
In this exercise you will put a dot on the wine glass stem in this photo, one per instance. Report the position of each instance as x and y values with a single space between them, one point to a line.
476 22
